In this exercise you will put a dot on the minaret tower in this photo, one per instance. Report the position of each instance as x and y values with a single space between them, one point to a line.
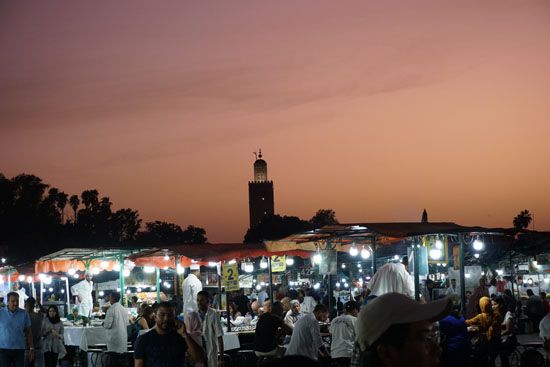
260 192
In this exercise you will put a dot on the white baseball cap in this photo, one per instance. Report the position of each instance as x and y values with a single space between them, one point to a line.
395 308
195 267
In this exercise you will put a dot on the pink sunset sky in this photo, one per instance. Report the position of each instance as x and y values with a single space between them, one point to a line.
376 109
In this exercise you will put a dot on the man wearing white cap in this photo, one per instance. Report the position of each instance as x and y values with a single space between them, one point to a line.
191 288
392 278
83 293
394 330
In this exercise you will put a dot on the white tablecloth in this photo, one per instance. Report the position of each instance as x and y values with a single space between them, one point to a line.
230 340
82 337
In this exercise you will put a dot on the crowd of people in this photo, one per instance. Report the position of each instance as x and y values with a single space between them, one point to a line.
383 326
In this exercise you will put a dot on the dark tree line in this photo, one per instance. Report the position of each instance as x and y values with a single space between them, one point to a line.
273 227
36 219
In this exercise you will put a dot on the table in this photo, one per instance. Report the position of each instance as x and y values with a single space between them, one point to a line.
230 340
83 337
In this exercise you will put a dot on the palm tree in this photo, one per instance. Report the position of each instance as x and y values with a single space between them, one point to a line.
74 202
61 204
522 220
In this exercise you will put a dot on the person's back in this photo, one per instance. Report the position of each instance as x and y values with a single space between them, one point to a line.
116 320
342 329
456 344
306 337
267 329
392 278
534 305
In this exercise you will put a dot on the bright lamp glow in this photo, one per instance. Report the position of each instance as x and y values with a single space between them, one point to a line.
62 291
263 263
500 272
126 272
435 254
289 261
76 276
337 284
212 264
95 271
128 291
467 275
21 278
317 258
42 276
316 286
138 290
478 244
71 271
438 244
258 287
48 280
546 280
116 267
476 255
343 266
180 269
231 262
104 264
101 293
249 267
166 257
365 254
149 269
396 257
50 289
353 251
29 279
530 281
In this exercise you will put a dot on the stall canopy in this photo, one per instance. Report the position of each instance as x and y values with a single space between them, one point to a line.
343 235
81 259
207 252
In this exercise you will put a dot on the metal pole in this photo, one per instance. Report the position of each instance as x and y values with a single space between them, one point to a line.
330 305
462 273
270 281
220 292
373 255
33 290
67 293
176 277
121 280
41 289
9 282
416 271
157 269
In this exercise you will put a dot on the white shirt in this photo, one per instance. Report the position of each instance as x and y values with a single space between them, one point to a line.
262 296
342 329
191 287
116 321
544 328
306 338
291 319
83 290
308 304
392 278
22 297
211 331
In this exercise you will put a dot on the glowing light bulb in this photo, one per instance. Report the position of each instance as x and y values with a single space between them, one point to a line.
353 251
289 261
365 254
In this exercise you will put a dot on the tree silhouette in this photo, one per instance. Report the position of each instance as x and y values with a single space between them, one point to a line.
274 227
522 220
323 217
193 235
74 202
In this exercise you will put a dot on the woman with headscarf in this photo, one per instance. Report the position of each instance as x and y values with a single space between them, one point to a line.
484 325
52 337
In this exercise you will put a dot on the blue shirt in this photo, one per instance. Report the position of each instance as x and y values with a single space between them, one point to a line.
12 328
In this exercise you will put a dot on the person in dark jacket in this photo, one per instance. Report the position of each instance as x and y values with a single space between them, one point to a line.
456 343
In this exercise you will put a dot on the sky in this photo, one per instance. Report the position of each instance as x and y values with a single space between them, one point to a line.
376 109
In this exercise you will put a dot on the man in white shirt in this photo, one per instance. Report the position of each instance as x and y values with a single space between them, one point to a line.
342 329
116 321
308 303
211 330
392 278
306 338
83 293
22 294
453 291
191 288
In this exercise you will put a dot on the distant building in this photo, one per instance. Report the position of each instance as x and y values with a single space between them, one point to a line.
260 193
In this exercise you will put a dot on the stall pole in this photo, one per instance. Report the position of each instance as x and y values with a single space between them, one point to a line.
220 292
41 289
513 275
373 255
462 273
270 281
121 280
158 283
33 289
416 271
67 293
330 295
176 277
9 282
